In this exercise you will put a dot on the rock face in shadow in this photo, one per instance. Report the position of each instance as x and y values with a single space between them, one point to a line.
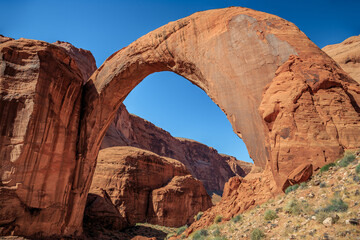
347 55
146 187
203 162
40 87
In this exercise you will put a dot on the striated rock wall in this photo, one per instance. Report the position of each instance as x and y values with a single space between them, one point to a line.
347 55
147 187
203 162
40 94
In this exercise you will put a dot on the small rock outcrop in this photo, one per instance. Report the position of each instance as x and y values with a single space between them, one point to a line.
347 55
203 162
147 187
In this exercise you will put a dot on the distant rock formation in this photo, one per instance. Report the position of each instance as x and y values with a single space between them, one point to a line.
203 162
347 55
146 187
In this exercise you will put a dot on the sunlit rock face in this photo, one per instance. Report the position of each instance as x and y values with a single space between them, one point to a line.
347 55
52 126
146 187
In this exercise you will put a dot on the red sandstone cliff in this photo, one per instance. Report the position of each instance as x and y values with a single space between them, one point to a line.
147 187
347 55
203 162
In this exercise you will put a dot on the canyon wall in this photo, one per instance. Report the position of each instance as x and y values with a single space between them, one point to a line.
347 55
203 162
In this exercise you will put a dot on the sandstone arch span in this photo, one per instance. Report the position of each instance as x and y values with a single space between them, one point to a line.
289 101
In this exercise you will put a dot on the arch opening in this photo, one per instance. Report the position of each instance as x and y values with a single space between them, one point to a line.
170 102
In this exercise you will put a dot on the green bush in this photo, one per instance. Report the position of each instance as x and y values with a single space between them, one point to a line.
198 216
257 234
327 167
336 205
200 234
357 169
293 207
216 232
270 215
303 185
346 160
180 230
237 218
292 188
218 219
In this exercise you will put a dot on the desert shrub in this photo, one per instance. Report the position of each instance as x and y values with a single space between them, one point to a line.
346 160
270 215
200 234
336 205
322 185
180 230
218 219
303 185
293 207
357 169
216 232
292 188
198 216
327 167
237 218
257 234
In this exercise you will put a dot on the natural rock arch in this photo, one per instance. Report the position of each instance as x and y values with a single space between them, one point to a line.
232 54
276 87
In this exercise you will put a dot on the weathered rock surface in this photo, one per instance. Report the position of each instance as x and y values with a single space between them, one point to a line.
239 195
240 57
5 39
311 112
347 55
147 187
40 94
203 162
83 58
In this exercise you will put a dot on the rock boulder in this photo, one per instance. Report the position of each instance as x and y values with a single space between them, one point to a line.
147 187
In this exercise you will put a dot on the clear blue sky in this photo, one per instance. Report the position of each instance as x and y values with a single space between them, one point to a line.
166 99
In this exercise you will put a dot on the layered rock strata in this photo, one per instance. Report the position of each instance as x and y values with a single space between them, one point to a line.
347 55
203 162
40 95
146 187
